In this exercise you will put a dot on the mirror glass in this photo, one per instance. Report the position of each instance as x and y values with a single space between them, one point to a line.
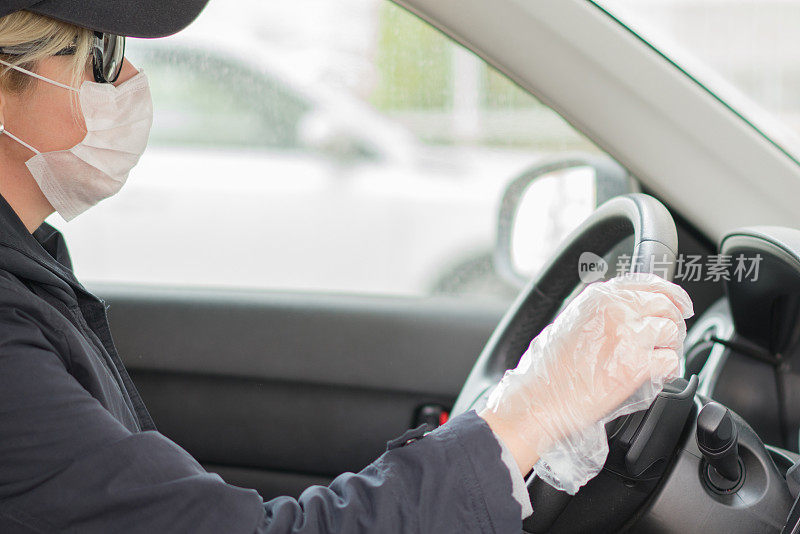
550 208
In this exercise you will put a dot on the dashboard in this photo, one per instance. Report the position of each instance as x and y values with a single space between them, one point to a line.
744 348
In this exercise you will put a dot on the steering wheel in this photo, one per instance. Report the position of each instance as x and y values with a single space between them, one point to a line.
655 243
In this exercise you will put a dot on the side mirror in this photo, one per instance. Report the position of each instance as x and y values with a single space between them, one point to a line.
545 203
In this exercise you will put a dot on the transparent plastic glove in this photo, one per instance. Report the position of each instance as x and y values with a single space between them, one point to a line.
607 354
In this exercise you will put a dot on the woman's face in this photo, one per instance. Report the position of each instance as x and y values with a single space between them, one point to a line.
43 115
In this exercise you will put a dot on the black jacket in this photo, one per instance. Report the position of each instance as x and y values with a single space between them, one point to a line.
80 453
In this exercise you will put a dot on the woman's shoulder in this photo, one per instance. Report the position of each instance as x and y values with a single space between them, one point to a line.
14 290
22 311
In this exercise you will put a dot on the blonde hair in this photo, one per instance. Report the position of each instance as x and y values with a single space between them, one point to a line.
46 37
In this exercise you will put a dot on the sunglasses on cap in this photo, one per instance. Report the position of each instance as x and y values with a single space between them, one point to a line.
108 53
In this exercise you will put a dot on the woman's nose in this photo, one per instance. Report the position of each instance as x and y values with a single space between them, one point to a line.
127 72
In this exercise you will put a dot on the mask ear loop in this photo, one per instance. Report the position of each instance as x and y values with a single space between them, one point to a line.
17 139
39 76
3 131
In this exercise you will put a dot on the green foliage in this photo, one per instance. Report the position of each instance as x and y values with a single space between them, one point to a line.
416 86
413 61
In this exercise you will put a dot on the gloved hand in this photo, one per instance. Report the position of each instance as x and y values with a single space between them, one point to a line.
606 355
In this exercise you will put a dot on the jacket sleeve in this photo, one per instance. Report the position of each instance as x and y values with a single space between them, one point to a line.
67 465
449 481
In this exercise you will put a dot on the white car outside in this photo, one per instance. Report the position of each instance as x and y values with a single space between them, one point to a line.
335 164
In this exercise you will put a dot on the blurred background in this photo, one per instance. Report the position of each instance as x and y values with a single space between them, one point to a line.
349 147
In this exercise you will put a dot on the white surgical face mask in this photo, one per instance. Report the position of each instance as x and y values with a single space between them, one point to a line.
118 121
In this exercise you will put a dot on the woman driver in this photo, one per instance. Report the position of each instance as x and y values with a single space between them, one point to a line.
78 449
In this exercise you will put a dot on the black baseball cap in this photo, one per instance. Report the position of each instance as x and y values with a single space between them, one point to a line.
132 18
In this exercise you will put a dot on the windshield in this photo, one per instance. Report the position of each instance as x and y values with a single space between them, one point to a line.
746 52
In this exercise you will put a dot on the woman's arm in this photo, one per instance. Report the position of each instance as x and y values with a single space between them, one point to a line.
67 464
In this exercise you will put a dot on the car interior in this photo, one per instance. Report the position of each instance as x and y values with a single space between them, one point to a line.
345 374
339 374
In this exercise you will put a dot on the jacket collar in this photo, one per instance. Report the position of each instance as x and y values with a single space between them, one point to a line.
42 256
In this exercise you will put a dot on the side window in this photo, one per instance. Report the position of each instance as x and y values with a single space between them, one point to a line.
205 98
314 147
